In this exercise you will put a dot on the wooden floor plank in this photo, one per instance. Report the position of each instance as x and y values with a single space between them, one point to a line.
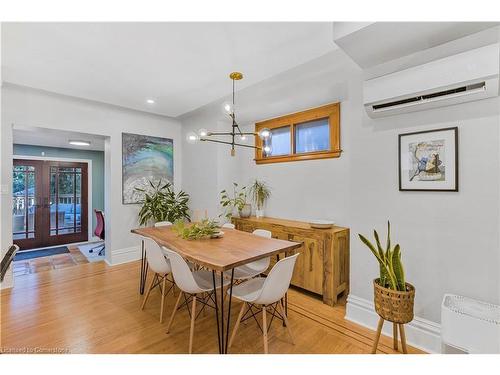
95 308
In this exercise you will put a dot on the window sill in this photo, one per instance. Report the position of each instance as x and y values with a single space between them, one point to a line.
299 157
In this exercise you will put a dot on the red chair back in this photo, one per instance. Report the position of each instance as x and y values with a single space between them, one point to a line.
99 228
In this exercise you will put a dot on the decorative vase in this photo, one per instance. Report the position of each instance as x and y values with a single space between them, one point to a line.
394 306
259 213
246 211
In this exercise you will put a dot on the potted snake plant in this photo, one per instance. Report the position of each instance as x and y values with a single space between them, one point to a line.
394 297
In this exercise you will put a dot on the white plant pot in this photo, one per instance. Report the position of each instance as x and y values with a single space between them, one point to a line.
259 213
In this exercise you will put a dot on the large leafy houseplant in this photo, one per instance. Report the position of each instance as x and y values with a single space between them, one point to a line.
161 203
260 193
238 200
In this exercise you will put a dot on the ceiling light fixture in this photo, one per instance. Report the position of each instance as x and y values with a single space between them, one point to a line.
204 134
150 101
77 142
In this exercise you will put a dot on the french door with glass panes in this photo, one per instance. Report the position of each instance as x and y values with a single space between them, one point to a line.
49 203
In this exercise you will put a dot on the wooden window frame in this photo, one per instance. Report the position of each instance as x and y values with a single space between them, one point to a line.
330 111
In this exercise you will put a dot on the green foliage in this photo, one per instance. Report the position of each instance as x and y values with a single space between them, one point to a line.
238 200
260 193
161 203
205 228
391 267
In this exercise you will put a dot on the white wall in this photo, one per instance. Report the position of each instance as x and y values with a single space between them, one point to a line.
28 107
450 241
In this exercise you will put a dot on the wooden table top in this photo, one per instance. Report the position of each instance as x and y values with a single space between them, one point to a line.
234 249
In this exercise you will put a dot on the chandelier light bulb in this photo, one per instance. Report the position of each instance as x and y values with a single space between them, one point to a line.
265 133
203 132
192 137
243 138
228 108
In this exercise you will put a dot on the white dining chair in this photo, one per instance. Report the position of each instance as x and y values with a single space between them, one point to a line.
162 224
249 270
228 225
161 268
192 283
167 224
266 292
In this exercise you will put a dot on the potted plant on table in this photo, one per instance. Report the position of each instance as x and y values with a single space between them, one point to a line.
393 296
238 201
260 193
161 203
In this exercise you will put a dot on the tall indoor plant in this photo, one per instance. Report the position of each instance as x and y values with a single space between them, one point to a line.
161 203
238 200
394 297
260 193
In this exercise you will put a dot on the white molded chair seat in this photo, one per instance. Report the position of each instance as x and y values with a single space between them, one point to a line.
266 292
270 289
249 270
192 283
161 268
249 291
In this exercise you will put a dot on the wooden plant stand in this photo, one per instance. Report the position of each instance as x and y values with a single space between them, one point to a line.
394 336
395 307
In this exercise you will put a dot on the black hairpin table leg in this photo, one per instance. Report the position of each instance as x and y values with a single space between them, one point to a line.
144 269
222 332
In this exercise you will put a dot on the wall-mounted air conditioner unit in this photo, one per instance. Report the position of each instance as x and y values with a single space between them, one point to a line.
468 76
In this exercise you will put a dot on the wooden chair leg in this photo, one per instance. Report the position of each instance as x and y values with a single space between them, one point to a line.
173 285
175 310
191 331
403 338
285 318
163 292
148 292
377 336
237 325
264 329
395 336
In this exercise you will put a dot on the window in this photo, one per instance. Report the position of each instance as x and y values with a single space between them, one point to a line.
310 134
280 141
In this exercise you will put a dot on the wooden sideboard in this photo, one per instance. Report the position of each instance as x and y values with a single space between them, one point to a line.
323 266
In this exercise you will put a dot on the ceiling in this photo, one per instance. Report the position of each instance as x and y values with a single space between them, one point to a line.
36 136
362 41
182 66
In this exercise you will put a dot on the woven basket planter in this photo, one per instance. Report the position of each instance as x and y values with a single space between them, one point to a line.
392 305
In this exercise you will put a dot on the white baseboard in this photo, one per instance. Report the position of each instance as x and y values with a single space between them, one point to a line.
420 333
129 254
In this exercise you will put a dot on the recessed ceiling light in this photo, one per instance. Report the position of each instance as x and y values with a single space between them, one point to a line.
77 142
150 101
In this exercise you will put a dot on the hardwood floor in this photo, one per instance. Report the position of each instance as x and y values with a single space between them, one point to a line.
95 308
51 262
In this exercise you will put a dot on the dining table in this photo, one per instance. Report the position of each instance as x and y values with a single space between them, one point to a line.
220 255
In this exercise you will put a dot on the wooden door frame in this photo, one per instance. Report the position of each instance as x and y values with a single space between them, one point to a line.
71 237
38 217
89 181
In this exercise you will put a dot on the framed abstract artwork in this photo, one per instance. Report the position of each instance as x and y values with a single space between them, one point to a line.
144 159
428 160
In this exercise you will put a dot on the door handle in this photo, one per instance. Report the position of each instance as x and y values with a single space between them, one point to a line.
311 248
